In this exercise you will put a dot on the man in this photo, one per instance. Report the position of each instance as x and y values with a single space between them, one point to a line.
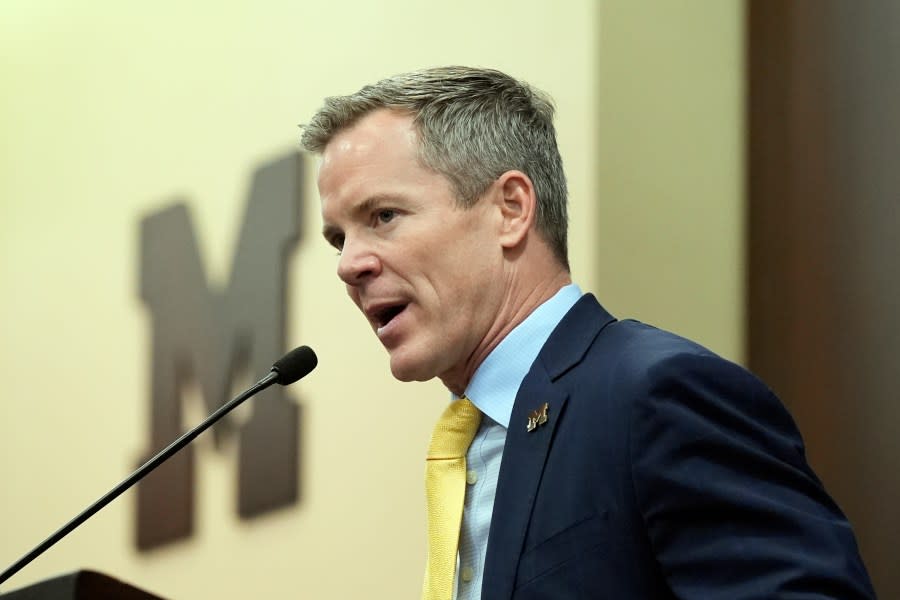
612 460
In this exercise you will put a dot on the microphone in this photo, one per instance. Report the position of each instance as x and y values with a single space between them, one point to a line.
295 365
291 367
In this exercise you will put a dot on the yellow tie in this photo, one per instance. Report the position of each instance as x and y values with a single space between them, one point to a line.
445 490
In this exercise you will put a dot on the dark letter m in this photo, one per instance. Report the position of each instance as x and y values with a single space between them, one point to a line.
208 335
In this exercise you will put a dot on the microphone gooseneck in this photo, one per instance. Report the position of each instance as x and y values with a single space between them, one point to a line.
294 365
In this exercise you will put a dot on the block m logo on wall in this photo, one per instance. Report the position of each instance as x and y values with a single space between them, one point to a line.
207 336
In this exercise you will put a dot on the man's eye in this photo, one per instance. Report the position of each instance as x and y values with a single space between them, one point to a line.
386 215
338 242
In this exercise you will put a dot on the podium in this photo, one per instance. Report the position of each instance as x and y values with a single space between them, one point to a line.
80 585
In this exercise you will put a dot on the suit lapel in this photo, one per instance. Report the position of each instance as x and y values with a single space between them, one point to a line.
525 452
524 456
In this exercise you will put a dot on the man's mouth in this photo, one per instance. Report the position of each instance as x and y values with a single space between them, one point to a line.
385 315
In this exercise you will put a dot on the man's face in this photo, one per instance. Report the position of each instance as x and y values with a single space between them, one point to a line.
426 273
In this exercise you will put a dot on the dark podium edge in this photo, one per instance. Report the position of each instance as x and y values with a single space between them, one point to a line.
80 585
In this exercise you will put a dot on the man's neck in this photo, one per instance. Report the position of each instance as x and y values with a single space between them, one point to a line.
520 301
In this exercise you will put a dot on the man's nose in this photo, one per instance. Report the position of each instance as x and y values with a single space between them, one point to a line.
358 263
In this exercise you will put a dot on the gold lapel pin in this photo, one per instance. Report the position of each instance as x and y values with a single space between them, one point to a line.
537 417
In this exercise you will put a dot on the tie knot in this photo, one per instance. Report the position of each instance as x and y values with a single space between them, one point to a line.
455 430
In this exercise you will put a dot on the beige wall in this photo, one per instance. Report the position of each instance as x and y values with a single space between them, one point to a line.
110 110
670 167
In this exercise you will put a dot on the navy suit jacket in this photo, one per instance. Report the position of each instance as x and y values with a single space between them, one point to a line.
663 471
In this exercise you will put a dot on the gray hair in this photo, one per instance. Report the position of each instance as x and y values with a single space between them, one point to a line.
473 125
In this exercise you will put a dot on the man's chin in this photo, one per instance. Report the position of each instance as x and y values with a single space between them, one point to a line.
403 368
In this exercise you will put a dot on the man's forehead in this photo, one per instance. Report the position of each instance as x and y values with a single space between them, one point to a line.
377 128
382 139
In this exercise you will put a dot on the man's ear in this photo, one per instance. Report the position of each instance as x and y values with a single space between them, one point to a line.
517 202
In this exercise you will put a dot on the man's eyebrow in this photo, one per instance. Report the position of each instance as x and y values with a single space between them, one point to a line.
372 202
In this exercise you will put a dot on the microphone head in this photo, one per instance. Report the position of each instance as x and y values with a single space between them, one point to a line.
295 364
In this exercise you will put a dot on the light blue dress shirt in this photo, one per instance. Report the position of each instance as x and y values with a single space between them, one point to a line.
493 390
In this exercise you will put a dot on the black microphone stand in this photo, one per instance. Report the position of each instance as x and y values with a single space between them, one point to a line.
142 472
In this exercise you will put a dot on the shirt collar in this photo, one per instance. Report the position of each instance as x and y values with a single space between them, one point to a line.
496 382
